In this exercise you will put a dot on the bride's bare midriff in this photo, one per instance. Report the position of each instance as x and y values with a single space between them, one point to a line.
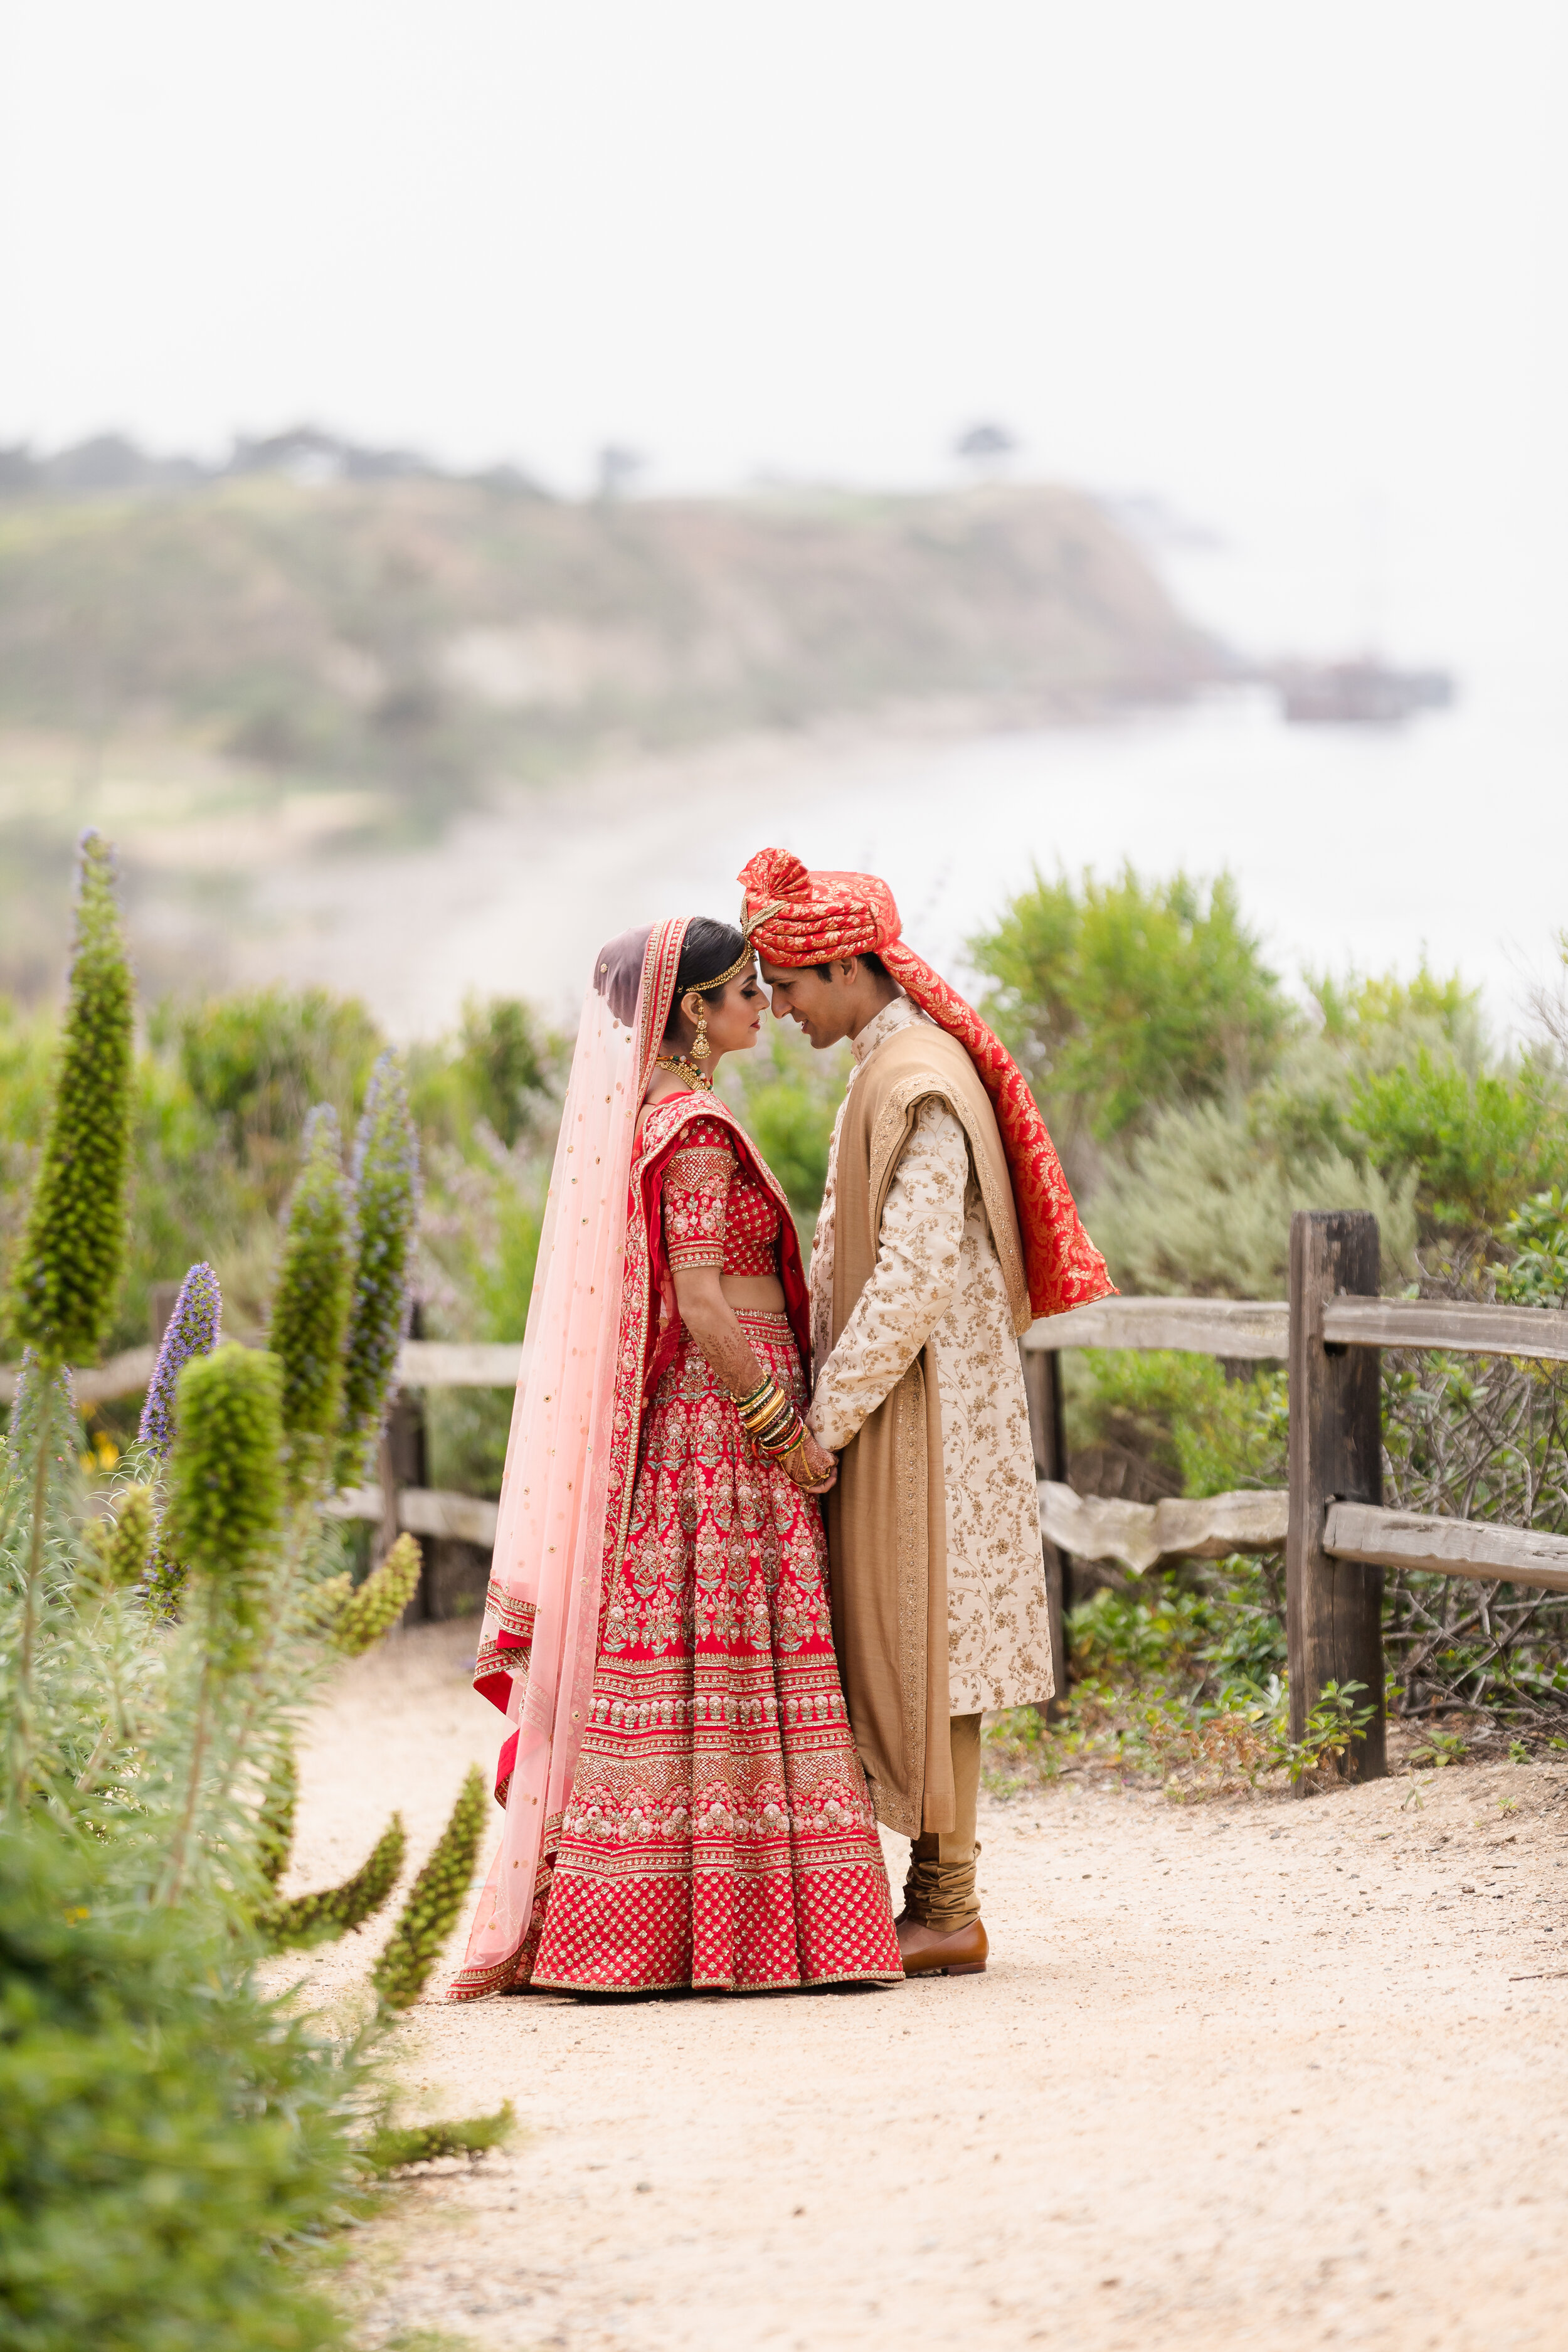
752 1293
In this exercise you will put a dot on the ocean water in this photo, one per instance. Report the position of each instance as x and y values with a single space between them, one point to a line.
1445 839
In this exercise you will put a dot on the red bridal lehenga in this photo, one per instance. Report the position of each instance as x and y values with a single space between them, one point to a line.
682 1790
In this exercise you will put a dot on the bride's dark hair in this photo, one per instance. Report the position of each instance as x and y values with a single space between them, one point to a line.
708 949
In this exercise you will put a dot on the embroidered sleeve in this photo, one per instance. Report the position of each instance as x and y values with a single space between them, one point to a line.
911 1285
820 1277
696 1189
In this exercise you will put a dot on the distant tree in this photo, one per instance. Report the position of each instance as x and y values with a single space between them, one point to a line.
618 469
988 446
108 461
307 454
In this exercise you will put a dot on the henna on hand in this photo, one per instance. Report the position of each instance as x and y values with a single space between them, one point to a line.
712 1323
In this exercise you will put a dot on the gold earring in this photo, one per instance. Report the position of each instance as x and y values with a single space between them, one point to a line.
699 1042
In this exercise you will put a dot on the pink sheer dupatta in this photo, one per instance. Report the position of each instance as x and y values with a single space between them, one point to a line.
540 1638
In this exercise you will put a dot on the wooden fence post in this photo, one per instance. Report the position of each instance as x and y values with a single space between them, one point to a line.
1043 1389
1333 1608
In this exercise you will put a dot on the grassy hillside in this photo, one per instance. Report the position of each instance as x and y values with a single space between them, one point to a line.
430 629
415 640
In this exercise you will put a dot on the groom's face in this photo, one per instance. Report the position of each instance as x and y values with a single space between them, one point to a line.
825 1008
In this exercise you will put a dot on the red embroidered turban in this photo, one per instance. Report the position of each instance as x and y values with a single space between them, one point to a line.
795 917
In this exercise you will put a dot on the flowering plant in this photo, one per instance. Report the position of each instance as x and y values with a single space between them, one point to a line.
194 1330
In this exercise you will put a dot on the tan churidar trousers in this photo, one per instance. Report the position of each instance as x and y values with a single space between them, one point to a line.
940 1889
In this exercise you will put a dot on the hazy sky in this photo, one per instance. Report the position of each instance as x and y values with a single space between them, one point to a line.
1297 266
1207 246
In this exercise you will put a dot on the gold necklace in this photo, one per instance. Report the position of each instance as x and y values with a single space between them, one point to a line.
681 1068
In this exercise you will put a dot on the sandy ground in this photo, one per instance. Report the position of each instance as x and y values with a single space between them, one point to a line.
1257 2073
514 896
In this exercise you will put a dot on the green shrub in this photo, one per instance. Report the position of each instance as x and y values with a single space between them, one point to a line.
792 1127
505 1064
1478 1143
501 1073
502 1279
162 2130
1537 1233
788 1097
484 1234
1122 997
257 1063
167 2137
1220 1636
1179 1410
1202 1206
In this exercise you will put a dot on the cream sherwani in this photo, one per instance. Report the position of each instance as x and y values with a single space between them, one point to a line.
938 1279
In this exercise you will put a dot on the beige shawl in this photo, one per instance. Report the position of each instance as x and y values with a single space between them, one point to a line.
887 1518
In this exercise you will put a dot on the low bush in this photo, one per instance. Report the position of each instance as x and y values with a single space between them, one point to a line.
171 2139
165 2130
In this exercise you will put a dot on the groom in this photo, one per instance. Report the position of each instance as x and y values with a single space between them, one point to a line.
946 1225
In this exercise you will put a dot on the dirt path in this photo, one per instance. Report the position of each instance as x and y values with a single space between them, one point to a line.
1254 2074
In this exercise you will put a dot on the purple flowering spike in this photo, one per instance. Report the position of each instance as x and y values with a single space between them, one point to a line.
193 1331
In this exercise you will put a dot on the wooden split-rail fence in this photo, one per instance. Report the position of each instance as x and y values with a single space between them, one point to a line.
1337 1538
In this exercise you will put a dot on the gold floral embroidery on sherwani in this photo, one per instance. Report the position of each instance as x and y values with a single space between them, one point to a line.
937 1278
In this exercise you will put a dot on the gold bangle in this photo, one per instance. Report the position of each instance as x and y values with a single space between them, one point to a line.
756 1415
779 1417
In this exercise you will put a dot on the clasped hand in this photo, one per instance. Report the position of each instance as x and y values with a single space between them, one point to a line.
812 1466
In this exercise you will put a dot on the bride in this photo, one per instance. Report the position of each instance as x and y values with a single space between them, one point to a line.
684 1804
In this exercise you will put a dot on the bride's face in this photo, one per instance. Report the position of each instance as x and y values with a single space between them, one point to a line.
734 1015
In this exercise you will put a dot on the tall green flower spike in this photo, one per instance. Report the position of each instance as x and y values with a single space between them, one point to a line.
375 1608
226 1503
437 1897
118 1547
275 1817
297 1921
74 1243
311 1306
393 2146
387 1195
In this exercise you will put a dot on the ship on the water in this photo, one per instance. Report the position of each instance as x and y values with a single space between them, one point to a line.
1359 693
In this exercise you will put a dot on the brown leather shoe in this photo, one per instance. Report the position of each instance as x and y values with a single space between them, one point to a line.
926 1953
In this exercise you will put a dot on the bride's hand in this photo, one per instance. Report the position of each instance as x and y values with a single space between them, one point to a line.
820 1467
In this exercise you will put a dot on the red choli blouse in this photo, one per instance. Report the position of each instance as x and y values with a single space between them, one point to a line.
715 1212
